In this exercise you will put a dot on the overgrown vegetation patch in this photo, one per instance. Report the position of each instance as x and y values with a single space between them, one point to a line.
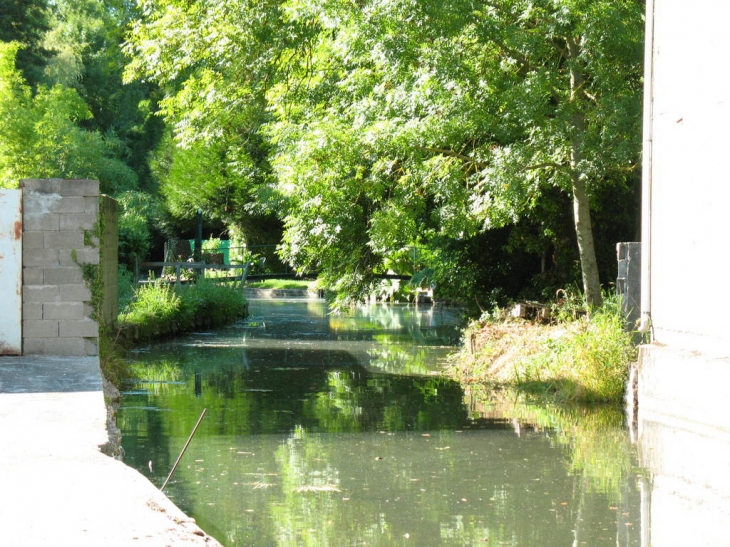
574 359
161 309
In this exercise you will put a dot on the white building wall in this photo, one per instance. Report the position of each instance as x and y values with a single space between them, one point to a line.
684 375
11 300
690 176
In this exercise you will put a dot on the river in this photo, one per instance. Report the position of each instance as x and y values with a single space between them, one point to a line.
338 431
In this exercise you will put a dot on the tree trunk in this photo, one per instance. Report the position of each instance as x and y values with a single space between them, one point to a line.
586 247
581 203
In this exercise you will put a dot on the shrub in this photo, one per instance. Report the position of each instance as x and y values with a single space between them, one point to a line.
589 361
580 358
161 309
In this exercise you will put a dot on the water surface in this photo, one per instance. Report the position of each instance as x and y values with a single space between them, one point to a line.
337 431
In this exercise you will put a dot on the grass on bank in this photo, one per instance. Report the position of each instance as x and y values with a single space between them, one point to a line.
161 309
581 358
282 284
158 309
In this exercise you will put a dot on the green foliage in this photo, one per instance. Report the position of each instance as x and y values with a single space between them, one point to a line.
282 284
215 104
26 22
158 302
161 309
138 214
86 38
589 363
581 358
126 285
374 126
41 135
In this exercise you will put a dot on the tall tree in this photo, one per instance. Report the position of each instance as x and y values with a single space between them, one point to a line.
40 135
214 61
464 115
87 37
26 22
397 122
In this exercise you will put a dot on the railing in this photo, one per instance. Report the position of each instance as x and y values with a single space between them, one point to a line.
202 266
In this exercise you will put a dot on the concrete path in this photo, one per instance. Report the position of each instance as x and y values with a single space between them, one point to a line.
56 487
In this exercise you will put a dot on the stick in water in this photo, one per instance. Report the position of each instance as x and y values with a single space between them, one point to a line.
184 449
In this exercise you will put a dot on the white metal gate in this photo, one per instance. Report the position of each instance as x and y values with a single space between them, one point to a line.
11 269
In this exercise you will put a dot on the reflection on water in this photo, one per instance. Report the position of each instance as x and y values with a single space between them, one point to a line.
335 431
690 482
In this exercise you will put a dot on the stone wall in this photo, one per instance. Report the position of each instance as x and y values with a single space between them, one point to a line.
60 250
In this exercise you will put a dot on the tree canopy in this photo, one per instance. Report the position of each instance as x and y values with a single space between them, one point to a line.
490 147
396 123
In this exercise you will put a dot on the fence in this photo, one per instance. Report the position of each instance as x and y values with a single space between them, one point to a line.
188 271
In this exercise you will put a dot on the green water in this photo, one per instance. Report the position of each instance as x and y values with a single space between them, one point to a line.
335 431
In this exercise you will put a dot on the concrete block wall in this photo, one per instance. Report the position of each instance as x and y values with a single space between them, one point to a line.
59 217
110 260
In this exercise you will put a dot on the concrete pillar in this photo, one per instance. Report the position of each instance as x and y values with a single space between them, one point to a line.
628 282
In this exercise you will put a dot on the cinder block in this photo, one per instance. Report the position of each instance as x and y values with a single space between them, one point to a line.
40 203
32 276
40 328
40 257
85 255
78 204
74 293
65 346
32 240
63 275
71 205
63 240
41 222
79 187
40 293
45 186
32 310
63 310
77 221
91 347
91 204
85 328
34 346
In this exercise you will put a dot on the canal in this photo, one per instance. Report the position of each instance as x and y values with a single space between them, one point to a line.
337 430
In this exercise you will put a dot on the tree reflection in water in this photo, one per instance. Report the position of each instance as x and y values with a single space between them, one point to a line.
334 431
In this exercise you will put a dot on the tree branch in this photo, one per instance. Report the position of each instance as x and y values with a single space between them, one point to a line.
453 154
545 165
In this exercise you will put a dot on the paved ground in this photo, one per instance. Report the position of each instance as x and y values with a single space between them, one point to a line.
56 487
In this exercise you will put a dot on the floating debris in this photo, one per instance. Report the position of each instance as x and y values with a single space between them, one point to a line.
318 488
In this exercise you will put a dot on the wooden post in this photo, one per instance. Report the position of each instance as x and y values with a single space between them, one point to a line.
244 274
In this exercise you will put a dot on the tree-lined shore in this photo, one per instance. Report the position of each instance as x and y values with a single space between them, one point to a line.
491 150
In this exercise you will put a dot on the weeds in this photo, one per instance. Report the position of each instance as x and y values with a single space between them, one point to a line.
579 358
161 309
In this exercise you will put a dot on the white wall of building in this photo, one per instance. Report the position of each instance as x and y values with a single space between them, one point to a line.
683 376
11 264
689 175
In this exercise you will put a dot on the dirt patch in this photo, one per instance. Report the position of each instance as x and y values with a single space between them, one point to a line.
492 351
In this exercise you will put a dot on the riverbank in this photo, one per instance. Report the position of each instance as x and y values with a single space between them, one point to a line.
160 310
572 358
58 487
